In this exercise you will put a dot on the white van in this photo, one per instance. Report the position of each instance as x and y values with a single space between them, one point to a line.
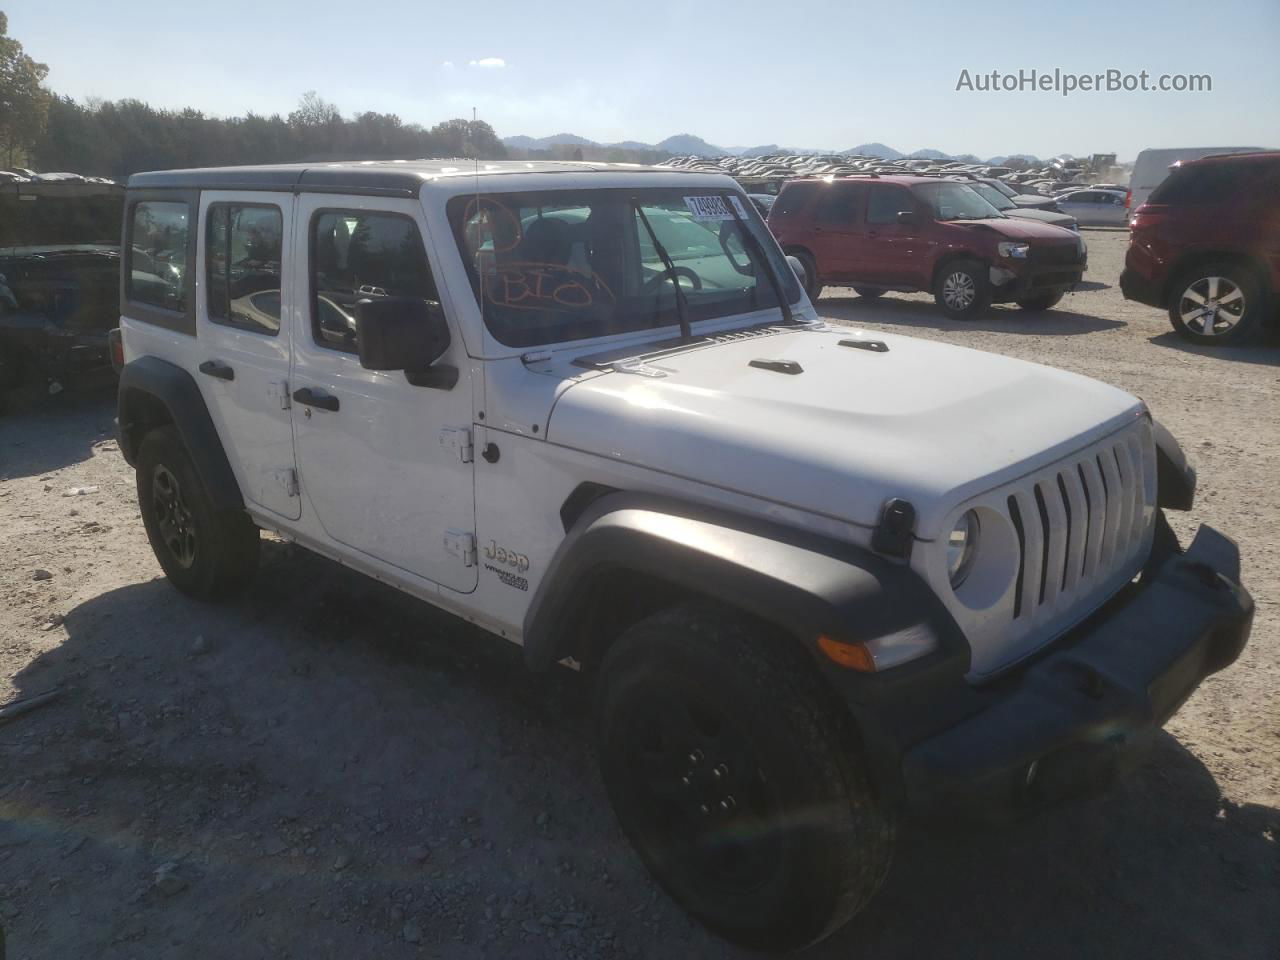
1152 166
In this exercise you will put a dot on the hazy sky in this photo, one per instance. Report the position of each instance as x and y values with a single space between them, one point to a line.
819 74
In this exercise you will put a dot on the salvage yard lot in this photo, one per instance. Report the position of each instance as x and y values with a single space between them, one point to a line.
325 768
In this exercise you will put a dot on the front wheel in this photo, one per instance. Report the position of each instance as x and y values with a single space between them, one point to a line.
963 289
205 552
737 778
1041 303
1216 303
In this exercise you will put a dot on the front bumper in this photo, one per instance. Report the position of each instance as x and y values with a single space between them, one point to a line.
1030 281
1083 712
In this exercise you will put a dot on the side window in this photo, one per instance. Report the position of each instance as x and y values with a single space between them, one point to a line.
242 266
839 204
791 200
358 255
885 202
157 258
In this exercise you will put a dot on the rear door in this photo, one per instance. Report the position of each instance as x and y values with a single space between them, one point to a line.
243 348
386 465
837 232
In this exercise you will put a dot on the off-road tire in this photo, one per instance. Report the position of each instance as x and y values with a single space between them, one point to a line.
963 307
869 293
1195 283
752 705
1045 301
205 552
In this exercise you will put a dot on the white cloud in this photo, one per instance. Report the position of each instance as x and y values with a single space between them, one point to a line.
489 63
447 65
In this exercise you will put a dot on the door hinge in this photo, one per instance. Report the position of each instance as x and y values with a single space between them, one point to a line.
461 544
278 391
459 439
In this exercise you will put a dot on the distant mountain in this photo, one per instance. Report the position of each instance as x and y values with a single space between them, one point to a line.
688 143
1001 161
632 145
929 155
876 150
542 143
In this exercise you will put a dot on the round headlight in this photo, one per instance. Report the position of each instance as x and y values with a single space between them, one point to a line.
962 547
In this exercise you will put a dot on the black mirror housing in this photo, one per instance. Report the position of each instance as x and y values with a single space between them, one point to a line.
798 269
400 333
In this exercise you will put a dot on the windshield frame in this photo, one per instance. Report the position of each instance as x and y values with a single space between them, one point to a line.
664 319
981 188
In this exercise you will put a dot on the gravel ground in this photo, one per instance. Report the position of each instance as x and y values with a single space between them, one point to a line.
327 769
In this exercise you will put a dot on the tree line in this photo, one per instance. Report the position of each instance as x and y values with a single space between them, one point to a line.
46 132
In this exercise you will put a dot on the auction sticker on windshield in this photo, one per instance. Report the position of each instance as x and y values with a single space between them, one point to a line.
714 208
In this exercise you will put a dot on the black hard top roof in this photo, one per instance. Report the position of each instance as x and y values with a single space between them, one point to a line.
399 178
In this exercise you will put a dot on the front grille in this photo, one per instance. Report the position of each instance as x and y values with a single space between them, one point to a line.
1057 254
1075 533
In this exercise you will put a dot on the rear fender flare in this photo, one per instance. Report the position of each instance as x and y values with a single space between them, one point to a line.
149 385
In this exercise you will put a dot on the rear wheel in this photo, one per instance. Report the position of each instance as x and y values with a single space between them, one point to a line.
812 286
205 552
962 289
869 293
737 779
1216 303
1038 304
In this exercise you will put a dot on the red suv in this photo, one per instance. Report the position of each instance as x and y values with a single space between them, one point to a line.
906 233
1206 246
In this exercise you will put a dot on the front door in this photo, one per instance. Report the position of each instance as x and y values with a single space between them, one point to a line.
244 349
891 252
384 463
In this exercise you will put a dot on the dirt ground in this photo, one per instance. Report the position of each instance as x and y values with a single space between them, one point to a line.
326 769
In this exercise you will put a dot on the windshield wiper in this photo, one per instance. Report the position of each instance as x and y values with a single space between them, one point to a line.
757 250
682 309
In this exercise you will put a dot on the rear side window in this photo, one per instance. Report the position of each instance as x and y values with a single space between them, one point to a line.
839 203
885 202
358 255
157 255
1207 184
243 246
792 200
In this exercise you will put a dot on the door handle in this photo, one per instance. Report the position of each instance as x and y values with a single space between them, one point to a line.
314 398
873 233
217 369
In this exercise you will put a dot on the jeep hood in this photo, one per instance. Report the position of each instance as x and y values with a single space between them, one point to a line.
925 421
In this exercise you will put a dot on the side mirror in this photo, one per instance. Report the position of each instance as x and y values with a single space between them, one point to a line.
907 218
401 333
798 269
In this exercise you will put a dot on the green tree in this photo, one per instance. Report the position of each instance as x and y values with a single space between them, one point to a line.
24 103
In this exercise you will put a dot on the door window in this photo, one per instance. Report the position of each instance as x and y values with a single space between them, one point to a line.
839 204
885 202
362 255
242 266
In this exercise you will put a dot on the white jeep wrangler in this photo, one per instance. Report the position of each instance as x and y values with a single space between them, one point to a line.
823 578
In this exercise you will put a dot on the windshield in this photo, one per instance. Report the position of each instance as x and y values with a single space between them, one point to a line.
561 265
35 220
956 201
993 196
